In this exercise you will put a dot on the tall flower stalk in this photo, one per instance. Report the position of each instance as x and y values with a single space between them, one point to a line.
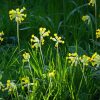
38 42
57 40
19 17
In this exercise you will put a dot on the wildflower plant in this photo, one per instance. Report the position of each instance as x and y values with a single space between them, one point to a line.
38 42
19 16
26 58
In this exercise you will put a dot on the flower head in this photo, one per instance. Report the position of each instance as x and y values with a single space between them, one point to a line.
25 80
92 2
95 59
26 57
35 41
73 58
1 34
57 40
52 74
98 33
43 33
10 86
17 14
85 60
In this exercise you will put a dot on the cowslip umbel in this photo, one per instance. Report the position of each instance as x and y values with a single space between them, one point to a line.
17 14
57 39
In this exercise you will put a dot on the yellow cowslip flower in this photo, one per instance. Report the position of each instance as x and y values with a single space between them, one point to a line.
85 60
25 80
73 59
10 86
92 2
43 33
57 40
52 74
95 59
1 34
17 14
85 18
98 33
26 57
35 42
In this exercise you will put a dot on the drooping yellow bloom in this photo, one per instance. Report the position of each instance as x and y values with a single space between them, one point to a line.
52 74
98 33
57 40
43 33
17 14
25 82
95 59
1 34
10 86
85 60
92 2
73 59
86 17
26 57
35 42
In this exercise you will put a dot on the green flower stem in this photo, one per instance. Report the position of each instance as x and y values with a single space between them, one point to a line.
18 36
95 15
41 52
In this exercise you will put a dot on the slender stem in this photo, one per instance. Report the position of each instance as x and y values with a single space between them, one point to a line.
18 35
96 19
41 52
95 15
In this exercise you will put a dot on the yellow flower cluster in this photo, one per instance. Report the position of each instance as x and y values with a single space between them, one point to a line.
85 60
25 80
26 57
95 59
35 42
17 14
10 86
85 18
1 34
73 59
92 2
52 74
57 40
43 33
98 33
